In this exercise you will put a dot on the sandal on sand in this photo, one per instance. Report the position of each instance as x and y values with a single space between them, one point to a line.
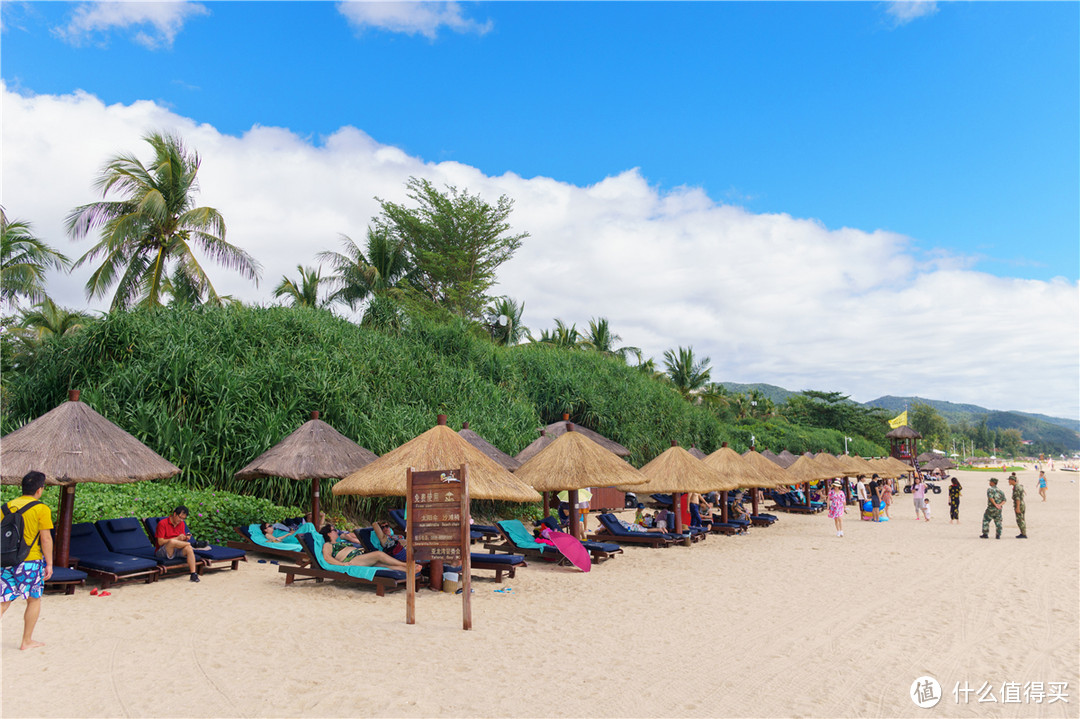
105 594
93 592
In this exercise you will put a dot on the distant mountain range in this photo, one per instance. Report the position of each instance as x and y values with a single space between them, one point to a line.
1056 430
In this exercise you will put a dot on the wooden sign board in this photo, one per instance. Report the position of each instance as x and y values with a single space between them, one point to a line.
437 530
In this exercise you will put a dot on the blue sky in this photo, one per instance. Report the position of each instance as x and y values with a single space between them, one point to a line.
958 129
788 187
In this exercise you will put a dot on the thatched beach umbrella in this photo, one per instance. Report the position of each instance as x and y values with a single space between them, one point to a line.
557 429
438 448
696 452
679 472
315 451
786 458
572 462
737 471
493 452
71 444
804 471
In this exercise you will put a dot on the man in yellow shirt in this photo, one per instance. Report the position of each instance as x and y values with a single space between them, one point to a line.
27 580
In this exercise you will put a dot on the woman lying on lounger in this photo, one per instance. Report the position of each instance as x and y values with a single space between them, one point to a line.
268 532
337 550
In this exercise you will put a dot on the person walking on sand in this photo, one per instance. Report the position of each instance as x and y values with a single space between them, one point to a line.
886 496
1019 506
954 501
995 500
918 492
26 580
1042 484
837 507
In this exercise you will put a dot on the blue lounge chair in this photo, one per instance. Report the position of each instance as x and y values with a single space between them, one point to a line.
383 580
126 536
599 550
497 563
92 555
477 532
214 554
248 544
612 531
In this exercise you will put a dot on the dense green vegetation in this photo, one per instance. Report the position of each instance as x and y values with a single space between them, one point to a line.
210 388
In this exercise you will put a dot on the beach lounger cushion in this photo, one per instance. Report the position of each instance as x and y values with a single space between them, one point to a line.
126 536
91 551
214 553
314 544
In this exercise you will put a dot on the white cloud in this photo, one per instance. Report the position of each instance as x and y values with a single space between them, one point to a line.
154 24
411 18
769 297
904 11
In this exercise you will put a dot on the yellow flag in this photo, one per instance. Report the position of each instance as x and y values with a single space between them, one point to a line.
899 420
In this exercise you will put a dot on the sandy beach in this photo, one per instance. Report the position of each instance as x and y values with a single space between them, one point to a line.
787 621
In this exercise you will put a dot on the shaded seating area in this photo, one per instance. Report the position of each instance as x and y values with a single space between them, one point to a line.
383 580
611 531
517 539
66 579
92 556
248 543
599 550
498 563
126 536
214 555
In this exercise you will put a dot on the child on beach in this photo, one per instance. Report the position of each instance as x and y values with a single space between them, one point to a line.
1042 484
837 507
926 507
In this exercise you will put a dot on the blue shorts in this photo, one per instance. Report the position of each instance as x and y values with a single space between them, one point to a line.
24 581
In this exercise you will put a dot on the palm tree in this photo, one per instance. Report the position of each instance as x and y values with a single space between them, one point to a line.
24 259
504 322
383 268
687 374
561 336
304 294
156 226
45 320
601 339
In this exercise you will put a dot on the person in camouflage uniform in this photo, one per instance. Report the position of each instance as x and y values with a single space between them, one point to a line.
995 500
1019 506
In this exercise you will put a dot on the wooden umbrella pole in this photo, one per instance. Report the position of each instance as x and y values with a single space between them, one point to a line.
571 497
723 507
808 495
753 499
315 504
676 504
65 513
547 503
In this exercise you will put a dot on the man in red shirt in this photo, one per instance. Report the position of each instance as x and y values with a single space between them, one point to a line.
172 537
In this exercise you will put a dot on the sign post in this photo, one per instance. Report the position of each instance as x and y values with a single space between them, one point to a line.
437 530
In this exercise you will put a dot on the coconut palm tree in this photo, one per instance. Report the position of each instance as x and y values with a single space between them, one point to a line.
383 267
561 336
24 260
504 322
306 292
155 227
601 339
45 320
686 373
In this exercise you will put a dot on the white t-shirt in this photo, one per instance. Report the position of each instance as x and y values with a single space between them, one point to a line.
860 491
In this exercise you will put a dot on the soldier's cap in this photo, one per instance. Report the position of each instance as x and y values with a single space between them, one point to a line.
1013 477
994 480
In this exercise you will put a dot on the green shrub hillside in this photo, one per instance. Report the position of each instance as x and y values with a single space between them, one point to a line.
211 388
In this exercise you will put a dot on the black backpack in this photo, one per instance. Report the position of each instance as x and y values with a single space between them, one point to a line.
13 546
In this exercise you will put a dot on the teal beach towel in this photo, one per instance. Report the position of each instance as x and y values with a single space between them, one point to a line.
367 573
291 544
521 536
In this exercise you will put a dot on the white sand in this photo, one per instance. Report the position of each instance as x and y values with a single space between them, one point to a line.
788 621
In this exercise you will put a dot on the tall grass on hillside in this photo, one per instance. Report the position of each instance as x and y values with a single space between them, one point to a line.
211 388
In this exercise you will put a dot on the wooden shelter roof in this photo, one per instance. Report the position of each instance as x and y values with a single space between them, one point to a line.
903 432
736 470
438 448
314 451
573 461
72 443
493 453
677 470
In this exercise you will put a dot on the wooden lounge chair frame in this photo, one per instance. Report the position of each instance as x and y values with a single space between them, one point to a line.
301 558
312 570
477 562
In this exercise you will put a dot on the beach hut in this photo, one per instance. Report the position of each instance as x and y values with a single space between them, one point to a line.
71 444
730 465
315 451
679 472
493 453
903 443
572 462
438 448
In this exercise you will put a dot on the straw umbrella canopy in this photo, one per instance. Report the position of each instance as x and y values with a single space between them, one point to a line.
885 469
772 472
71 444
572 462
897 465
438 448
829 462
786 459
805 470
941 463
534 448
493 453
696 452
315 451
558 429
738 472
856 465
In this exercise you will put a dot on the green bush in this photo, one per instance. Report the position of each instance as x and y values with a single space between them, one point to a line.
213 514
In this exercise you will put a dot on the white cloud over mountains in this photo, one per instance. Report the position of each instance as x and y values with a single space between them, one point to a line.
769 297
155 24
411 18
